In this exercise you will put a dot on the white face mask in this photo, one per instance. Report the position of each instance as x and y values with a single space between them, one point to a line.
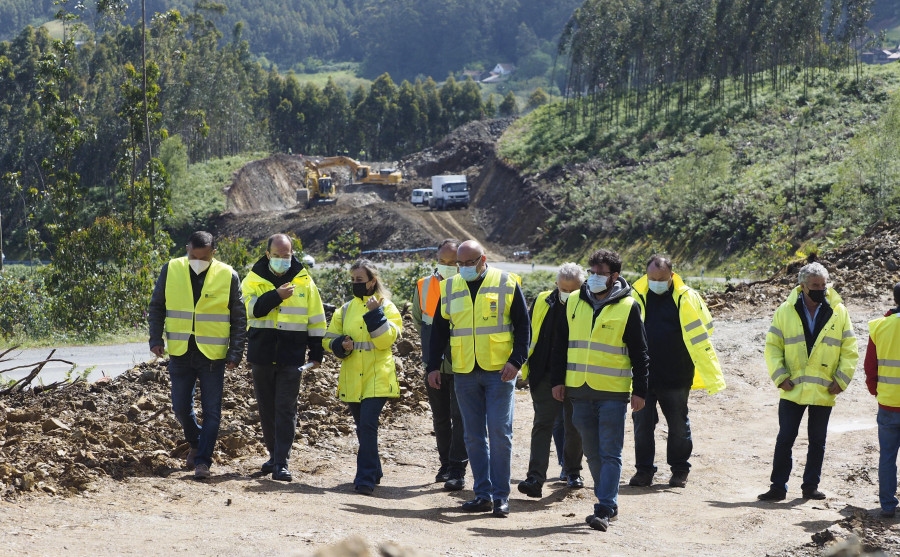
446 271
597 283
658 286
198 265
563 296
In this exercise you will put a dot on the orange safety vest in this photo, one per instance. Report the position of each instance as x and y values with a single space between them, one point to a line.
429 297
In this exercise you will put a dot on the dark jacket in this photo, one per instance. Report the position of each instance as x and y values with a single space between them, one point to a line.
278 346
156 313
671 365
825 313
634 337
518 315
539 361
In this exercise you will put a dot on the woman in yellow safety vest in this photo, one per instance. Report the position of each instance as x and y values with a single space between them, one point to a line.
361 334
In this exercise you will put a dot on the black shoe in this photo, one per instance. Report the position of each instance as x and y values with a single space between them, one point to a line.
575 482
282 474
454 484
641 479
531 487
364 489
612 516
678 479
598 522
774 494
813 494
268 466
442 476
477 505
888 514
501 508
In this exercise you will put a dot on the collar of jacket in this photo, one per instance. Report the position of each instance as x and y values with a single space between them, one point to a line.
261 268
642 286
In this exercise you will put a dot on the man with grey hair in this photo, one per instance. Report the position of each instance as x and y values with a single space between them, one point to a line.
811 355
548 308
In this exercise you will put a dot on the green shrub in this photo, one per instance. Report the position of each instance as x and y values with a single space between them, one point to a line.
536 282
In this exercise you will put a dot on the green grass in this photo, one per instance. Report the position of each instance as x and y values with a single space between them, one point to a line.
346 79
60 339
200 194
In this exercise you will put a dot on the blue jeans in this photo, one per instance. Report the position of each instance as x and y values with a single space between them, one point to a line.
789 416
674 406
486 405
888 443
602 427
184 373
368 462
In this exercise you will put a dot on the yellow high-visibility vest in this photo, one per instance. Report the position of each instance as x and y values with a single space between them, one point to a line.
303 311
209 321
480 333
696 328
885 333
833 356
537 320
597 355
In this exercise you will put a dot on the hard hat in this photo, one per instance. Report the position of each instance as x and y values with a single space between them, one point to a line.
308 261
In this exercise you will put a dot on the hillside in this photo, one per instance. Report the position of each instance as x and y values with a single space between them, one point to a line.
731 187
405 39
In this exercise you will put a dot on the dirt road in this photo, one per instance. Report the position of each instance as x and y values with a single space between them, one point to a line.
717 514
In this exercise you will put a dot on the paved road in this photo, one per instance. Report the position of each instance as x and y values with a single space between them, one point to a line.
112 359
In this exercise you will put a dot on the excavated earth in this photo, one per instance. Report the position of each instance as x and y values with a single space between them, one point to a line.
503 212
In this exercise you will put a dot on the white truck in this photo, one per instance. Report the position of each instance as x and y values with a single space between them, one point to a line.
449 191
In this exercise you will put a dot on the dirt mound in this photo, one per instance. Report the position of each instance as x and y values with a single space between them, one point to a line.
860 533
59 441
266 185
469 145
864 269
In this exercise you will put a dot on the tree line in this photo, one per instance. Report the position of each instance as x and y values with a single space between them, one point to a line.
76 140
637 60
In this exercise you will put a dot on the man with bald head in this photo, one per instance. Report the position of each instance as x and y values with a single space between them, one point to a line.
484 319
286 319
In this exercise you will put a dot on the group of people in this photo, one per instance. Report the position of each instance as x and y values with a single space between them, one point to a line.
589 349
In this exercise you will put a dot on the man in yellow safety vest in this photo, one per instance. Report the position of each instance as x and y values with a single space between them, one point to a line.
484 318
811 355
882 365
197 302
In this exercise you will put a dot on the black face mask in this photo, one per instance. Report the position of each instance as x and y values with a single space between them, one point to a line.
818 296
360 289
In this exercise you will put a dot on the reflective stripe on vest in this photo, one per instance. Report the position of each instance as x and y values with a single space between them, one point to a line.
209 321
429 297
885 333
292 314
541 308
597 355
480 331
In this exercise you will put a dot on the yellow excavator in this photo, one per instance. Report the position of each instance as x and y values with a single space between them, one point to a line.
319 187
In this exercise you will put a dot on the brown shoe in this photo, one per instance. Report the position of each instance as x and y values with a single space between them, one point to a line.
189 459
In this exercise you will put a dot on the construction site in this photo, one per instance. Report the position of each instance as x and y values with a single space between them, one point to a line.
98 468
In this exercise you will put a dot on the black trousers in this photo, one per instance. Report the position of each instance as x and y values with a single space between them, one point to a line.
546 410
276 390
448 427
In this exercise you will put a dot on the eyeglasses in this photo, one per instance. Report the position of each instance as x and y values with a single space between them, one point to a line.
471 262
600 274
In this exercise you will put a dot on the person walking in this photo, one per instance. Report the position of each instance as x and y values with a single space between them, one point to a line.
548 308
484 319
682 357
882 366
599 359
285 319
197 303
361 334
811 355
447 421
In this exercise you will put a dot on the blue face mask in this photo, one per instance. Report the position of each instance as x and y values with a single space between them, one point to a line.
280 265
658 286
597 283
468 274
